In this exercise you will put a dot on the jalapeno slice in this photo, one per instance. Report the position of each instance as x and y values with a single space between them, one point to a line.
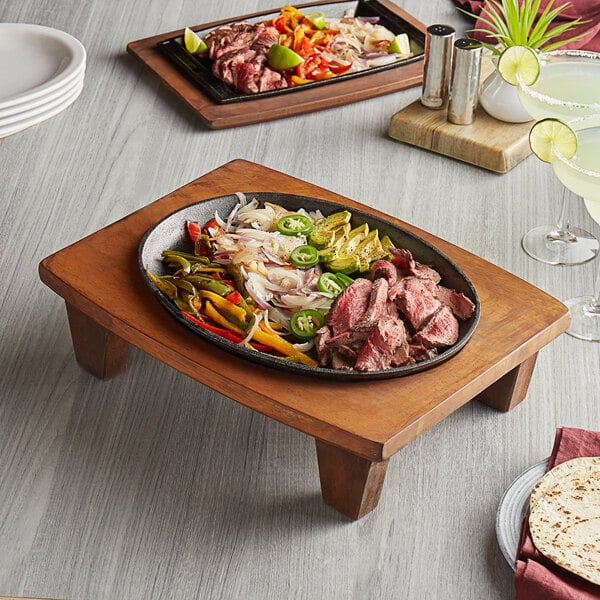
305 323
304 256
295 224
329 284
344 279
333 283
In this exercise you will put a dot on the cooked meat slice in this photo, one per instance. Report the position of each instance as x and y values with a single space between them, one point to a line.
416 302
271 80
349 307
407 265
244 77
377 306
380 347
458 303
441 330
402 356
226 66
353 338
385 269
418 352
239 52
265 37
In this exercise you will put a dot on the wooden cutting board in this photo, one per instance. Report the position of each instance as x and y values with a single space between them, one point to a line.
487 142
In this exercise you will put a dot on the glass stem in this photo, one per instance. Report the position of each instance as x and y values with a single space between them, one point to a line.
562 231
595 303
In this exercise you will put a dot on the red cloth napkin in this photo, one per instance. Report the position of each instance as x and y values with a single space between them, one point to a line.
537 577
588 10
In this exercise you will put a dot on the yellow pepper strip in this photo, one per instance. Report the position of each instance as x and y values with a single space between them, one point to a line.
214 315
262 337
224 305
283 346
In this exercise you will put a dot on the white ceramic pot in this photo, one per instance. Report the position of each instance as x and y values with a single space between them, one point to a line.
501 100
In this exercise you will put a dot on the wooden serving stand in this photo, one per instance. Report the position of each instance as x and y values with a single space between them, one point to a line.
357 425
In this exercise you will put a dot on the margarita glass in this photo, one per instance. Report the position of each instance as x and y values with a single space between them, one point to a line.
568 86
581 175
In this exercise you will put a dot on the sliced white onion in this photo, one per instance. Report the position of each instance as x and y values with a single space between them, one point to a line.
255 325
306 346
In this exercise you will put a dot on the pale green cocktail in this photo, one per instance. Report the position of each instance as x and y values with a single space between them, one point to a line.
568 86
581 174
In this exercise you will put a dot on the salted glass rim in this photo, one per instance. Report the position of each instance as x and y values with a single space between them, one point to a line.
574 122
585 54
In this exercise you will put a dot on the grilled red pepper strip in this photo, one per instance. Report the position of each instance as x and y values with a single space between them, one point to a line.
235 297
225 333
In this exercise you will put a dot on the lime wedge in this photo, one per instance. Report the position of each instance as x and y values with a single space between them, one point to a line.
400 44
521 60
317 19
194 44
282 58
551 135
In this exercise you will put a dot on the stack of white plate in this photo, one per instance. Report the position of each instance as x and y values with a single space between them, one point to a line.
41 74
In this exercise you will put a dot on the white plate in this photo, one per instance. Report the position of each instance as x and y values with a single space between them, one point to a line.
35 60
513 507
42 107
25 123
15 109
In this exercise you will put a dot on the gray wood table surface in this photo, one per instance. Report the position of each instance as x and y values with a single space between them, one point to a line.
124 489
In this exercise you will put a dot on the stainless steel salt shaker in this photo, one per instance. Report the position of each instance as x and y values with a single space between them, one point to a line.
437 66
464 88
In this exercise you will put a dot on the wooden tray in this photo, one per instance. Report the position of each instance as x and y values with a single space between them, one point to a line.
221 116
357 425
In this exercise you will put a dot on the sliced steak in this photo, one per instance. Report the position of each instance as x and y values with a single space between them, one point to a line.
377 306
271 80
340 352
416 302
239 52
407 265
418 352
440 331
380 347
384 269
458 303
349 307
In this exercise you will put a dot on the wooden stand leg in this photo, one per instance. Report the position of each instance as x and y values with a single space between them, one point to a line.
511 389
349 483
97 350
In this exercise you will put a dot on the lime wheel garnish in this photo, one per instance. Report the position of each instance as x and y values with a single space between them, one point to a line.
519 63
550 136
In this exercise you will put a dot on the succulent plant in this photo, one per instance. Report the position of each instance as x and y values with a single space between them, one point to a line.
517 23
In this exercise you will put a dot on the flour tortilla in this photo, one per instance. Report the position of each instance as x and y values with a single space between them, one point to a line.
564 517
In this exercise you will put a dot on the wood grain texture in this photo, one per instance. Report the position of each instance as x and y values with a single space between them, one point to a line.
486 142
124 488
349 483
312 406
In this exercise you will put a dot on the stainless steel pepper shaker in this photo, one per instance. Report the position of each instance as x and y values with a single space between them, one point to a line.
464 89
437 66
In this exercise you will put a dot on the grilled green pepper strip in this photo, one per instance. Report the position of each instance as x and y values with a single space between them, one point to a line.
209 283
179 261
165 286
190 257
